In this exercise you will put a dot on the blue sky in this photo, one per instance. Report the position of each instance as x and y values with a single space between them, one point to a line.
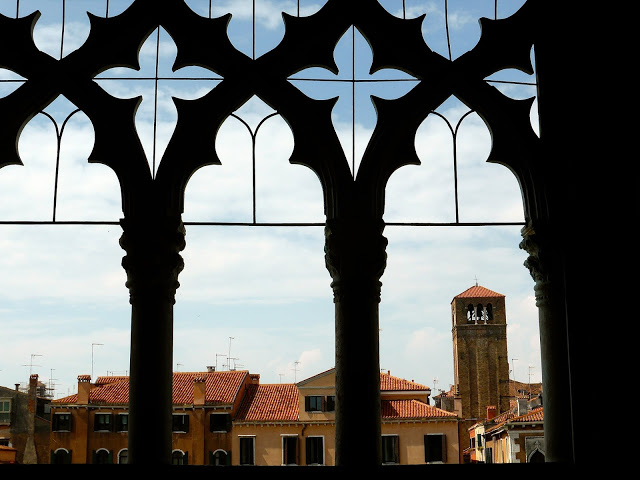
258 294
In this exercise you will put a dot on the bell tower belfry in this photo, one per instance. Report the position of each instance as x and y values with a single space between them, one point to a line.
480 360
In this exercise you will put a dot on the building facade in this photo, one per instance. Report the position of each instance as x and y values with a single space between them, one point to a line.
24 425
229 418
516 436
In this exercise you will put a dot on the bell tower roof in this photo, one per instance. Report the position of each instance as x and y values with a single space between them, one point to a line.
478 291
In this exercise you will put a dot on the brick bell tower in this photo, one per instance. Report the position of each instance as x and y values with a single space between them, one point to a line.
480 361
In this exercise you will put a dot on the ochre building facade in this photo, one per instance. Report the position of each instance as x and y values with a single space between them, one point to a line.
229 418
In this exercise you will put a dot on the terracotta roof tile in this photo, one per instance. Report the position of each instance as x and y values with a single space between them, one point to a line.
535 415
391 383
478 291
411 409
270 402
220 388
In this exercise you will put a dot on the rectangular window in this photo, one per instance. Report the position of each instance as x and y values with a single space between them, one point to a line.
435 448
102 422
122 422
180 422
5 411
313 403
247 447
390 449
61 422
314 447
289 450
488 455
219 422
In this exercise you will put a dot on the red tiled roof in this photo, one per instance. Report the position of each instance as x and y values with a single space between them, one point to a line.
220 388
390 383
535 415
411 409
478 291
270 402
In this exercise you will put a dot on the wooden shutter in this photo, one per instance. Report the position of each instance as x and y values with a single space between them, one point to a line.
307 451
444 448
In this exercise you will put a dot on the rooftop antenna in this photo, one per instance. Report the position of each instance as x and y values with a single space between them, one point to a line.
513 360
476 278
435 382
530 367
295 371
52 387
234 362
178 365
218 355
93 345
281 375
229 356
31 365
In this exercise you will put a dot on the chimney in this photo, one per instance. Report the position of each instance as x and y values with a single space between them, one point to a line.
84 387
211 368
491 412
523 406
199 391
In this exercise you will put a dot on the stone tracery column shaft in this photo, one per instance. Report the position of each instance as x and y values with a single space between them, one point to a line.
152 264
355 257
545 267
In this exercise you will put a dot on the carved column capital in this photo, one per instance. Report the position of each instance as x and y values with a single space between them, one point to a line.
153 261
535 241
355 256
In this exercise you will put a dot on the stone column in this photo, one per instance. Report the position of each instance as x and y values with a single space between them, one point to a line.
356 258
152 264
546 269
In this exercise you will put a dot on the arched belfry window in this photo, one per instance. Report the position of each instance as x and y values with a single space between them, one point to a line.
489 309
471 313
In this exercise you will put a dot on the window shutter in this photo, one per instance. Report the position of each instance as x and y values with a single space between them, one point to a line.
185 458
69 457
229 458
110 456
210 457
51 460
307 404
93 456
444 448
307 451
186 422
